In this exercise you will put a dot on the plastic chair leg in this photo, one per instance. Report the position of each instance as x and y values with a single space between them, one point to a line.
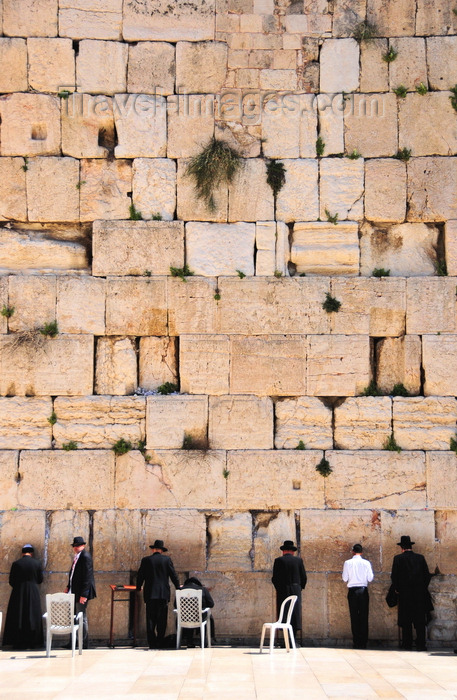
208 630
262 638
292 638
272 638
48 644
80 638
286 638
178 636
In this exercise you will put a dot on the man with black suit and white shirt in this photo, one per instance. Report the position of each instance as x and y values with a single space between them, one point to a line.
81 582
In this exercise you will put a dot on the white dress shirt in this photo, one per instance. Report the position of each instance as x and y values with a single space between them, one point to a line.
357 571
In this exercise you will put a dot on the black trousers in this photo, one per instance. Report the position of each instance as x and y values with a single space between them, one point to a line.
82 607
358 608
156 621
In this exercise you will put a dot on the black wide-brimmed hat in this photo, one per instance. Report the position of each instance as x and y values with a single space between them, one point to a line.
27 549
158 544
405 542
288 546
77 541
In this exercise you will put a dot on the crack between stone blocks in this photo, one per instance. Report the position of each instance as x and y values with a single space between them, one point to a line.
414 489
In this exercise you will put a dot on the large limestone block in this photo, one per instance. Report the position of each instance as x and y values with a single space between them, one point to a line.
62 526
141 125
190 124
298 198
117 540
331 122
204 364
409 68
105 189
363 423
23 291
157 362
154 187
48 479
404 249
450 238
136 306
183 532
87 123
419 524
392 18
326 549
250 196
193 208
379 479
282 248
370 122
315 614
341 187
260 306
101 67
418 117
305 419
278 79
24 423
446 532
338 365
90 19
37 251
431 189
376 306
424 423
51 64
9 463
339 63
220 249
97 422
81 305
442 61
13 65
439 353
151 68
52 193
14 524
398 361
115 366
268 365
385 190
191 305
158 20
134 247
322 248
374 72
289 480
201 67
230 542
35 18
30 124
442 626
265 244
170 419
13 202
289 126
346 15
435 17
431 305
60 366
237 422
270 527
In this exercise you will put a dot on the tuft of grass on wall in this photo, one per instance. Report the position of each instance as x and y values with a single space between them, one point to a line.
324 467
121 447
331 304
215 165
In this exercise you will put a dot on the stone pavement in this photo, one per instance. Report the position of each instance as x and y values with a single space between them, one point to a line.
226 672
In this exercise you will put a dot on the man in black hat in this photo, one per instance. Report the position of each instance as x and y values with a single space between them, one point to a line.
81 582
23 625
410 577
154 572
289 578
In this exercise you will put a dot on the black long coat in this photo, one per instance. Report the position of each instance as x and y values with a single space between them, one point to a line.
154 572
289 578
24 625
410 577
83 582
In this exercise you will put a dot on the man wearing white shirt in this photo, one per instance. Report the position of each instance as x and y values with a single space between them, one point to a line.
357 573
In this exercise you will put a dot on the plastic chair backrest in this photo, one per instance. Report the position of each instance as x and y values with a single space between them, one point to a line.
60 608
189 606
292 599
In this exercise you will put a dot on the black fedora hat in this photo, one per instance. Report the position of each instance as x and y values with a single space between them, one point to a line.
158 544
288 546
77 541
405 542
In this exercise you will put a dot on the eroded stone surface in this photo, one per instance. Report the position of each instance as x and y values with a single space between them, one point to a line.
58 178
375 306
250 196
201 67
424 423
90 19
183 21
363 423
404 249
204 364
337 365
322 248
105 188
36 18
305 419
418 117
154 187
136 306
341 188
298 198
231 541
171 420
440 364
13 203
51 64
87 126
157 362
431 191
370 122
220 249
442 61
101 67
115 366
30 125
13 65
141 125
398 361
339 62
81 305
431 305
238 421
151 68
385 190
24 423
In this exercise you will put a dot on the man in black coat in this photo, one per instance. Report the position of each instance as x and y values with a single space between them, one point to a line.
289 578
24 624
207 602
81 582
410 577
154 572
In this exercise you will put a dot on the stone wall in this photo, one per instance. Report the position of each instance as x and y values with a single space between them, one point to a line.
102 106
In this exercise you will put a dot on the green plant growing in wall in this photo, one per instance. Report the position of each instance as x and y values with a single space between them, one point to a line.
156 216
390 444
25 167
390 55
364 31
240 274
403 154
401 91
52 420
147 273
135 215
324 467
50 330
7 311
68 446
194 443
441 268
354 155
167 388
331 305
301 445
331 218
399 390
276 175
181 272
225 473
453 97
372 389
380 272
121 447
64 94
217 295
278 274
215 165
453 444
320 146
421 88
80 184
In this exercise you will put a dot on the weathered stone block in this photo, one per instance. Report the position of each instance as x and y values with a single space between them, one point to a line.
81 305
398 361
13 202
442 61
9 464
115 366
331 122
220 249
51 64
418 524
121 528
151 68
269 527
431 190
193 208
337 365
30 125
24 424
52 193
238 421
431 305
36 18
48 479
201 67
288 478
90 19
250 196
35 250
133 247
204 364
435 18
374 72
446 533
14 524
63 524
190 124
41 366
87 123
158 362
22 293
106 188
13 65
375 478
230 537
450 238
373 306
346 14
363 423
268 365
289 126
424 423
265 244
392 18
370 122
282 248
170 419
155 20
418 117
404 249
183 532
141 125
136 306
278 79
154 187
439 353
191 305
322 248
305 419
385 190
341 188
409 68
298 198
97 422
339 61
101 67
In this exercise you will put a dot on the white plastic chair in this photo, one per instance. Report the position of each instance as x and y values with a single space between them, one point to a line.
60 619
190 615
286 627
